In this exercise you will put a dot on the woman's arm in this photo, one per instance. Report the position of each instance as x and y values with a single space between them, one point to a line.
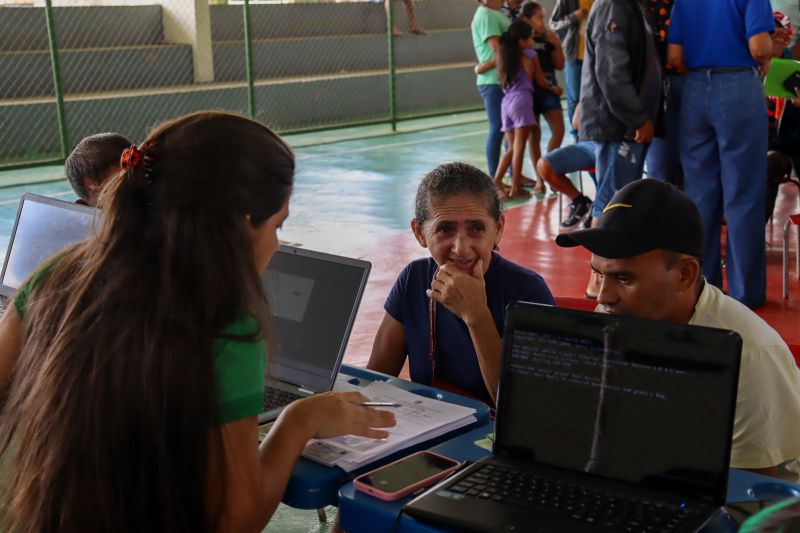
10 344
494 44
485 67
488 347
558 52
389 348
464 294
256 477
534 70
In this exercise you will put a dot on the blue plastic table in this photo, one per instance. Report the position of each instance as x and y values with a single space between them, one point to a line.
361 513
314 486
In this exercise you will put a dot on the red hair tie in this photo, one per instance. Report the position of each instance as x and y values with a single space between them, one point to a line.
132 157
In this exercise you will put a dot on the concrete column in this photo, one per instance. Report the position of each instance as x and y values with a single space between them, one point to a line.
189 22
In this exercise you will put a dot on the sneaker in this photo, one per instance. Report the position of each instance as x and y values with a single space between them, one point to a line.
578 209
587 222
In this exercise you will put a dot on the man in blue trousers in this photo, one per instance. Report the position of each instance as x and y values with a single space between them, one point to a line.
725 46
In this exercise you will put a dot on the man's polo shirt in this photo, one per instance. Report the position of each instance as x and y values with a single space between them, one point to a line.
714 33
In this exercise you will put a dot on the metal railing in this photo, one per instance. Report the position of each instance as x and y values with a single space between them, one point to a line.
69 72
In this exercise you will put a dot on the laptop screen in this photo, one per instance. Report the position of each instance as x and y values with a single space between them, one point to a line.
44 226
638 401
313 298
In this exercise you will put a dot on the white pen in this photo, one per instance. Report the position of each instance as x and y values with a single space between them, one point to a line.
379 404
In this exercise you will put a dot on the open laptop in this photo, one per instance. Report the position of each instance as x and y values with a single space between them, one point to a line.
313 297
603 424
43 227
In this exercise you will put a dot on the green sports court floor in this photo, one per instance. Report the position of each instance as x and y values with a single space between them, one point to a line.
347 192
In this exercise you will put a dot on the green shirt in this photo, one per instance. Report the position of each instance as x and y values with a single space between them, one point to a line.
238 364
487 23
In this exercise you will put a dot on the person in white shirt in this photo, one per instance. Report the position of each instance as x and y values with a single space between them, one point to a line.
647 250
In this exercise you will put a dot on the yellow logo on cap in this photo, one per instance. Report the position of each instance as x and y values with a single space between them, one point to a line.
612 206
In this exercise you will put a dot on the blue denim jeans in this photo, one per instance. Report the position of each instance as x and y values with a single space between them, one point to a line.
618 164
663 156
572 73
492 99
723 147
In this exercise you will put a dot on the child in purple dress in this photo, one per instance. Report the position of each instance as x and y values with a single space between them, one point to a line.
517 65
548 103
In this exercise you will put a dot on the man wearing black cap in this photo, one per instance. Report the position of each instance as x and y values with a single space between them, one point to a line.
647 249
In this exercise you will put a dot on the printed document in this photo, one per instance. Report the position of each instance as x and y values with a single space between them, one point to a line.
418 419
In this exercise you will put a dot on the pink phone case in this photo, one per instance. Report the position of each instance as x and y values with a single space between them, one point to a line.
391 496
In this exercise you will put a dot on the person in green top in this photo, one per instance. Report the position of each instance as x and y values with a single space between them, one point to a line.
132 365
488 24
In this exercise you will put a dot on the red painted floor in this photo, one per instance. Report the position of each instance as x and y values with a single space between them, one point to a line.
528 240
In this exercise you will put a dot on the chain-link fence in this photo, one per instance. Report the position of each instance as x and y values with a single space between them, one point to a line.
74 68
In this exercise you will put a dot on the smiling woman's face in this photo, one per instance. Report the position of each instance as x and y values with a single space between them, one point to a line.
460 231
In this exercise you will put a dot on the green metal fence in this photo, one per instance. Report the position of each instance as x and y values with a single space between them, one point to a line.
71 70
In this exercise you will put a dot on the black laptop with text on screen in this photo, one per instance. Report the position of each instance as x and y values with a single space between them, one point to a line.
603 424
43 227
313 297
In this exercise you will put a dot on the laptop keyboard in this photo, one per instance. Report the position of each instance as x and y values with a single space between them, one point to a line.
580 503
274 398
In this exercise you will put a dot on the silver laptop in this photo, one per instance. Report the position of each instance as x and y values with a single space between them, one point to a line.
43 227
313 297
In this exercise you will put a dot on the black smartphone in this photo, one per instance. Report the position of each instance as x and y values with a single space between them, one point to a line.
792 82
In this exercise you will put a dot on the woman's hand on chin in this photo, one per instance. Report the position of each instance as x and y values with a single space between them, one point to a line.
462 293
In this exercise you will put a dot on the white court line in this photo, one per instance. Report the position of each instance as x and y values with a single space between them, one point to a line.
53 195
390 145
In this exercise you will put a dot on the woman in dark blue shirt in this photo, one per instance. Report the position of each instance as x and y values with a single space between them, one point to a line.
446 312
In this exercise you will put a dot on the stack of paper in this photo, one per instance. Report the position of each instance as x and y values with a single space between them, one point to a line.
418 419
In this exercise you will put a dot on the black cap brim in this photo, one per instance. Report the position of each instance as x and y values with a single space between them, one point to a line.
606 243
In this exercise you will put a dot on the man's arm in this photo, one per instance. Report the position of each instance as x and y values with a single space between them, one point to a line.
767 405
612 62
759 23
760 46
676 59
771 471
562 17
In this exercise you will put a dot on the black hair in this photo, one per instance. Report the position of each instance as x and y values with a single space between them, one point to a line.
510 55
92 158
528 9
452 179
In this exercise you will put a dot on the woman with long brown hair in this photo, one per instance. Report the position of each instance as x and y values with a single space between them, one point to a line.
131 366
